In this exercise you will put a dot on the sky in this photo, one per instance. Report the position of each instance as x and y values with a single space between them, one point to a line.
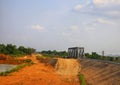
60 24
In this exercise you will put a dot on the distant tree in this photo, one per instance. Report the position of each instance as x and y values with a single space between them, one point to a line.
111 58
3 49
54 53
26 50
49 51
22 49
116 58
2 46
11 48
29 50
63 53
43 52
87 55
95 55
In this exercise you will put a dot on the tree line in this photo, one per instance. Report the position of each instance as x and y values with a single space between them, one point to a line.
94 55
54 53
15 51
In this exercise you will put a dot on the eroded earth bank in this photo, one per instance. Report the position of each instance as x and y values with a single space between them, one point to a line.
100 73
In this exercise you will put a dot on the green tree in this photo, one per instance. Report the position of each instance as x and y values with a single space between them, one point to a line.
22 48
11 49
14 51
3 49
87 55
111 58
26 50
95 55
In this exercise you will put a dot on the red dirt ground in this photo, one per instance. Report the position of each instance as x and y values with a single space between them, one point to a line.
6 59
37 74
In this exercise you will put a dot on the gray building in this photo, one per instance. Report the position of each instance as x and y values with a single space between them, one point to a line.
76 52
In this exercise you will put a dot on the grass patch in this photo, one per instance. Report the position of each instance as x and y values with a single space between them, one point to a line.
49 55
82 79
39 56
17 68
28 61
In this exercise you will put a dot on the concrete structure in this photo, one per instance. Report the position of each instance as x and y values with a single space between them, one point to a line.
76 52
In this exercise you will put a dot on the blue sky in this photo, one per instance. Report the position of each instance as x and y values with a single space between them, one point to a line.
59 24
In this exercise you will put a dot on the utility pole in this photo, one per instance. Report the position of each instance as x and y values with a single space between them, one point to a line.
103 53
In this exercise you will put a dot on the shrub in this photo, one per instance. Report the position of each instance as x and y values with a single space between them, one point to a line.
28 61
82 79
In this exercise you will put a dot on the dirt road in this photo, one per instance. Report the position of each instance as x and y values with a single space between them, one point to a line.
69 69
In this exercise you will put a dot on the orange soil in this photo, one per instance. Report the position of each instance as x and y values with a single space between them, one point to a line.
37 74
6 59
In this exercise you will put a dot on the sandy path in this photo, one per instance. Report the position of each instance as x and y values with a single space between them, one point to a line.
69 69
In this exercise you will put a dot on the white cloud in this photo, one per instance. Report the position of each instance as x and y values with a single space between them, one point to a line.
37 27
108 8
113 13
66 34
74 27
98 24
103 3
82 6
105 21
78 7
90 29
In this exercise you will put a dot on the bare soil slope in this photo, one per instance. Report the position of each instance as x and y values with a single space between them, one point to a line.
100 73
69 69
